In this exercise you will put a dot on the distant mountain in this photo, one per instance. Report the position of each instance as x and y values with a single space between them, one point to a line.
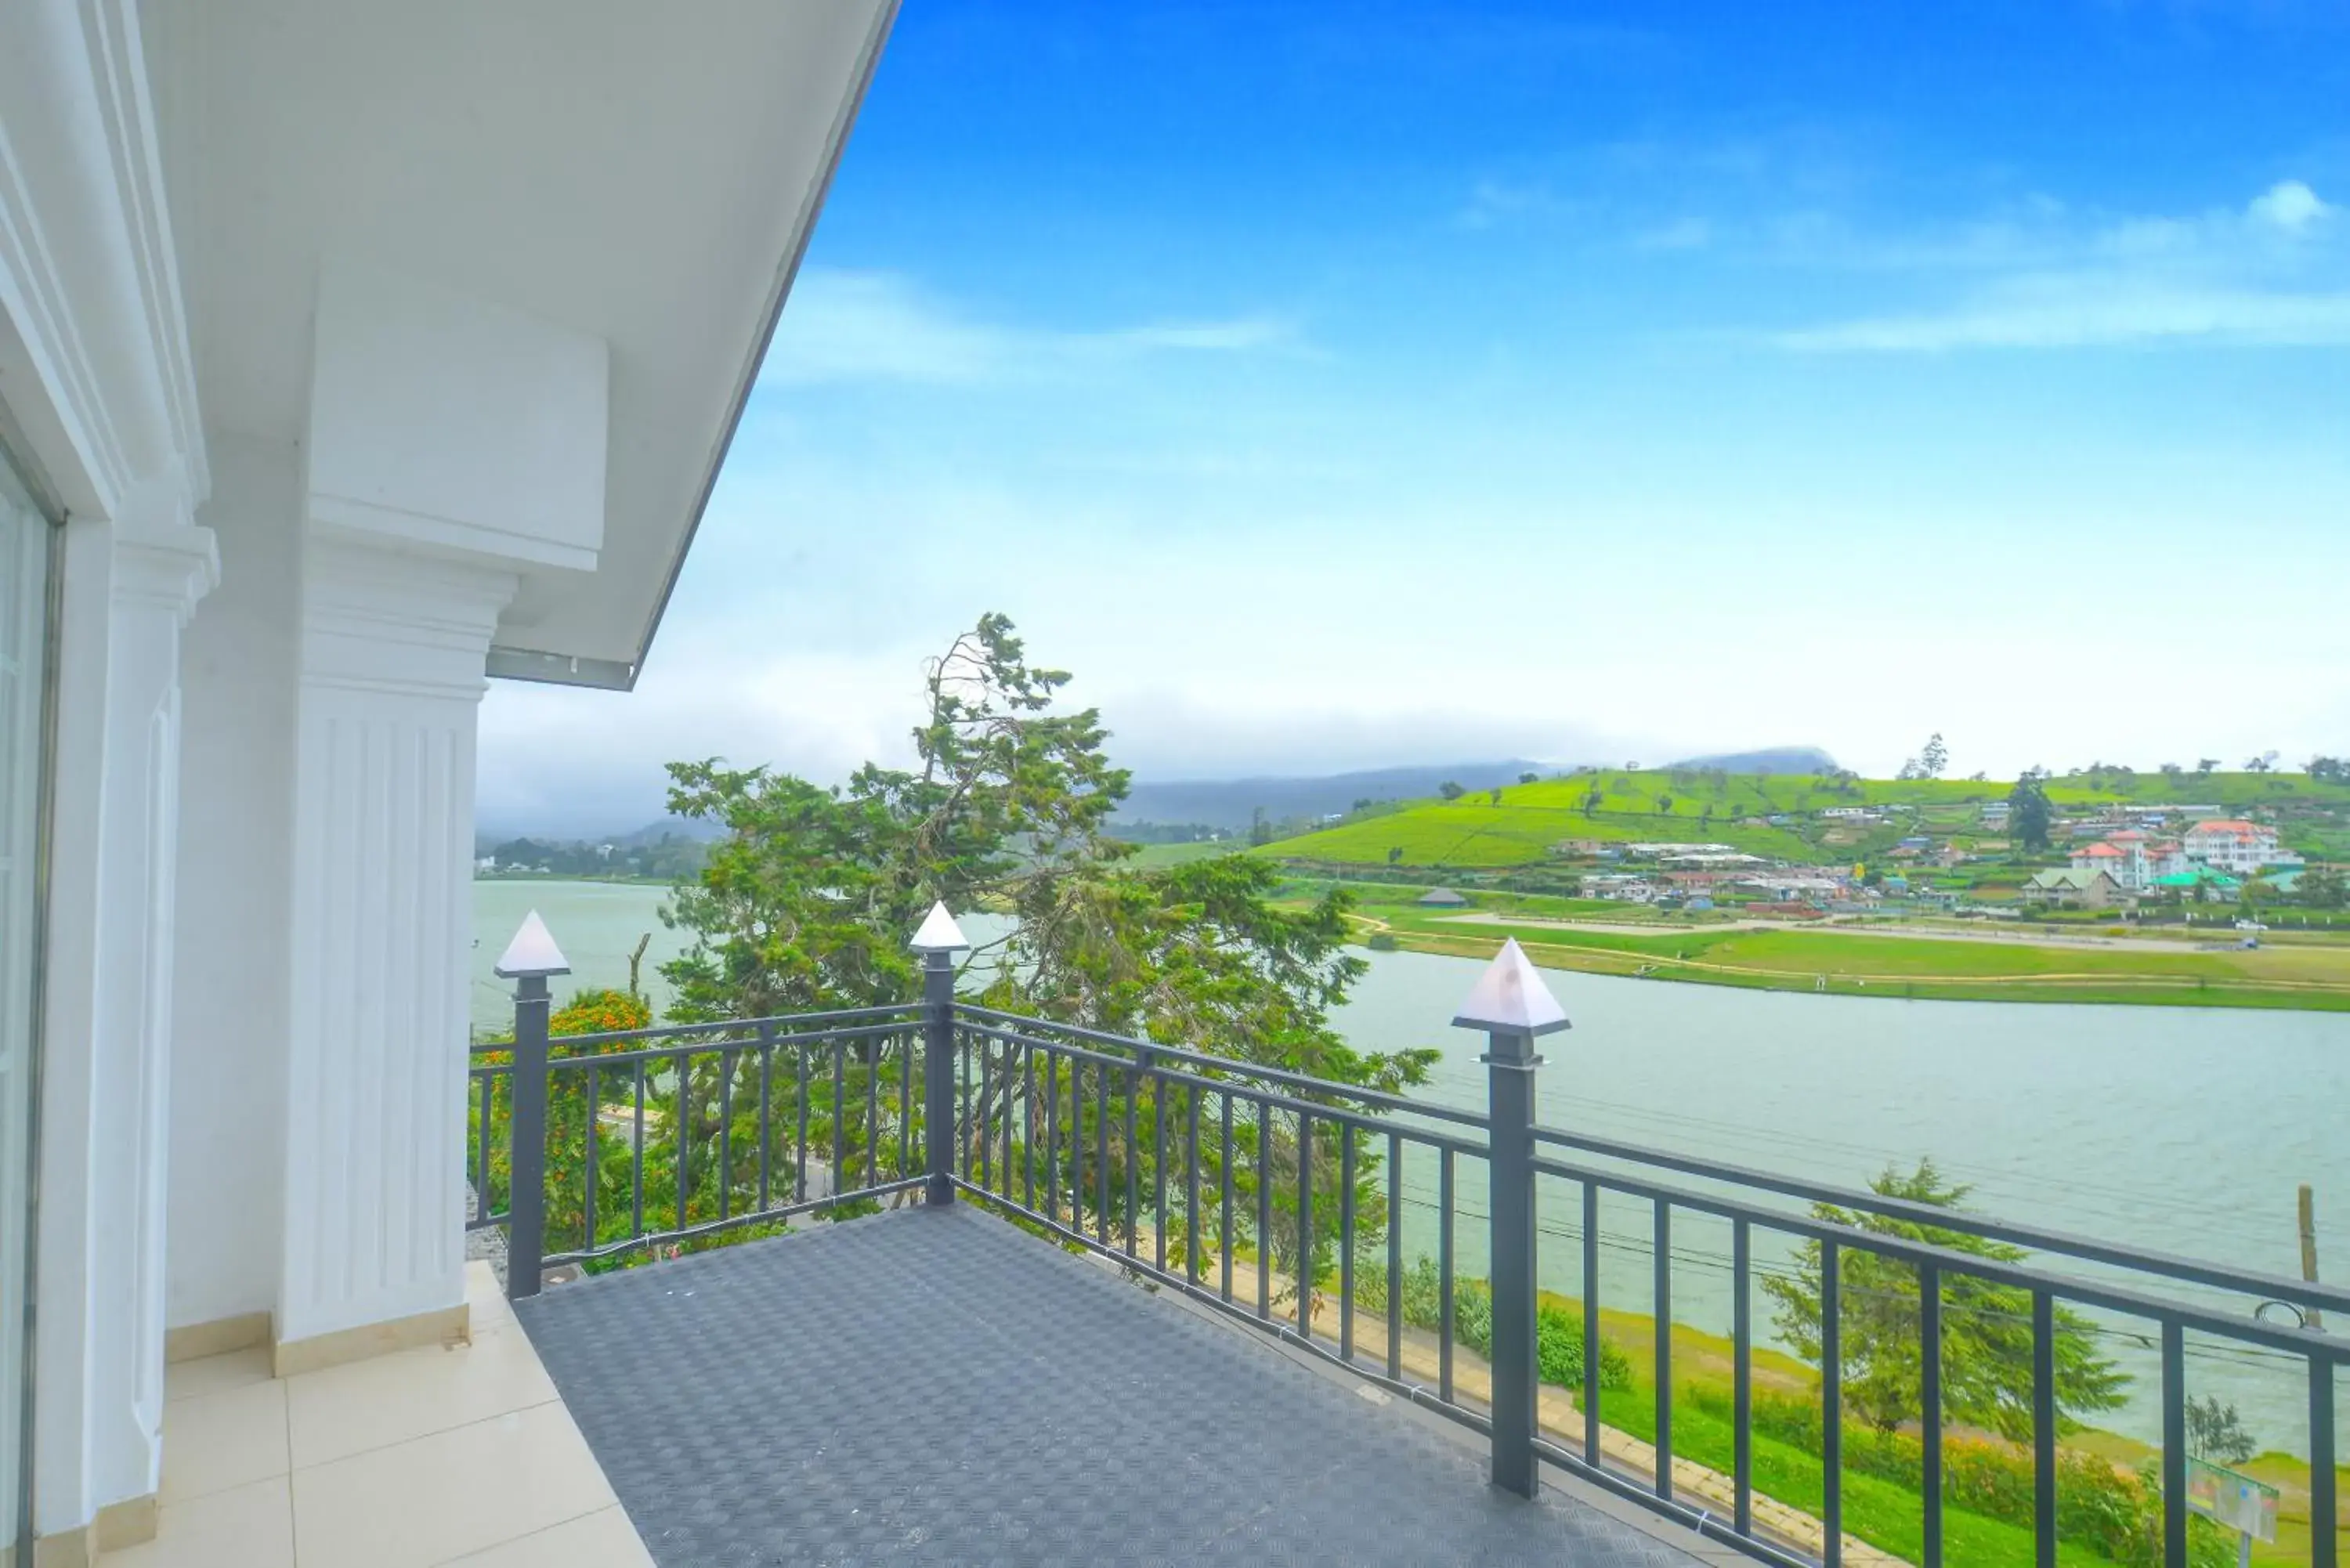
1781 759
699 830
485 839
1231 803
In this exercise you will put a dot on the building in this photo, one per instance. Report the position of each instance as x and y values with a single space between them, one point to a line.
2233 845
354 354
2126 864
2135 860
351 356
1442 898
2197 886
2070 890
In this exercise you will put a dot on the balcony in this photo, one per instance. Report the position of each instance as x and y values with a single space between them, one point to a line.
1011 1289
931 1384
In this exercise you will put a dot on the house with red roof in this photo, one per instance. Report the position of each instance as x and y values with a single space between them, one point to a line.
2233 845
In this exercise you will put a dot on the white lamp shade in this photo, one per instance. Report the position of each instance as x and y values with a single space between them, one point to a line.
1510 998
939 934
533 951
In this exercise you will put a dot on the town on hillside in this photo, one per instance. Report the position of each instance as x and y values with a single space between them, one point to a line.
2173 845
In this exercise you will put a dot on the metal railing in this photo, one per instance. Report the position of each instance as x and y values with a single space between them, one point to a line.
1279 1199
664 1138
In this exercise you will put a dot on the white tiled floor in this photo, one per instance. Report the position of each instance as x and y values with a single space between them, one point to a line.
461 1455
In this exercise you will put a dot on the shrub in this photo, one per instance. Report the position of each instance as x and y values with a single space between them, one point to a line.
1558 1330
2113 1513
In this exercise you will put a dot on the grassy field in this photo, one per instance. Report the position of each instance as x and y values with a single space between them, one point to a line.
1876 1511
1849 962
1682 806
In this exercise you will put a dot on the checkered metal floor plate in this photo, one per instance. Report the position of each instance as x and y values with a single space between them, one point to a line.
935 1387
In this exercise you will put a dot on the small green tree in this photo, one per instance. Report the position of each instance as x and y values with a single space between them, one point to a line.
2215 1432
1986 1326
1449 790
2029 813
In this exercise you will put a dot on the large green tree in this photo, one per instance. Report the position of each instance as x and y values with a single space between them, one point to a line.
1986 1326
809 901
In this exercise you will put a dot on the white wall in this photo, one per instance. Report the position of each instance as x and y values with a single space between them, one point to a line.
236 797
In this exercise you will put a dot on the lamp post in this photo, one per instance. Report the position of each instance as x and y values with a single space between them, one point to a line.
529 961
1512 1006
938 941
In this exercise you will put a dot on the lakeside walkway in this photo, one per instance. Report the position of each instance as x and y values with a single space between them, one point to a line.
936 1385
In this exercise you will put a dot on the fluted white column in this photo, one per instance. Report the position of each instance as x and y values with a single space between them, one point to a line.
393 646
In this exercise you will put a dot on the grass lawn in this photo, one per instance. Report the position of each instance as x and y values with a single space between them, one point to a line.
1849 962
1886 1516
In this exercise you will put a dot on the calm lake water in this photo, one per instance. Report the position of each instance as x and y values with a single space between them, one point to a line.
2178 1130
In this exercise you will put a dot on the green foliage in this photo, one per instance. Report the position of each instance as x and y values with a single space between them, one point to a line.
807 903
2113 1514
2215 1432
2029 813
1986 1363
1558 1329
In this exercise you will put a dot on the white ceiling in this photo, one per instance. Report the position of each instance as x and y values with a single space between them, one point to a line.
644 172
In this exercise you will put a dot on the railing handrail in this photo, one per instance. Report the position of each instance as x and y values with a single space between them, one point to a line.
2194 1270
1269 1098
911 1012
2296 1340
1385 1101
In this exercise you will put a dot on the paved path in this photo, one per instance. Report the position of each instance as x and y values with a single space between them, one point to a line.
936 1386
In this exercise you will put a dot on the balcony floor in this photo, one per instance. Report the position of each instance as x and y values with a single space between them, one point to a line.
938 1386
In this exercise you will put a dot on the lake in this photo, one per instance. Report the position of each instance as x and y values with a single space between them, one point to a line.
2173 1129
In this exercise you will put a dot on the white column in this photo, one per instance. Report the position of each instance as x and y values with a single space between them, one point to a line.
392 647
130 589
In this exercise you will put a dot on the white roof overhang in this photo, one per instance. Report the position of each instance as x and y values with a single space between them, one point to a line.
641 177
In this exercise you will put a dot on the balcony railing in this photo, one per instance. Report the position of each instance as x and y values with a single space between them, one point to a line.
1279 1199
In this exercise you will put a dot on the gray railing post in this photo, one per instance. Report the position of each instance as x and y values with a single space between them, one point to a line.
530 959
938 941
1512 1005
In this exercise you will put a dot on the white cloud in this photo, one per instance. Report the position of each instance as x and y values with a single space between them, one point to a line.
2264 276
846 325
2089 310
2290 206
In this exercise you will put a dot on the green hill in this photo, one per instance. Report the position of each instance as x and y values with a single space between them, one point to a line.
1527 823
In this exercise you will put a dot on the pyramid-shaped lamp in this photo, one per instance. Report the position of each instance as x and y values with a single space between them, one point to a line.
532 953
1510 998
939 934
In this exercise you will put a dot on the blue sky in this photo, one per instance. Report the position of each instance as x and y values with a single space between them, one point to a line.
1337 386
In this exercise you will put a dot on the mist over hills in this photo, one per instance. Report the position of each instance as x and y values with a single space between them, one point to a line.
1770 760
1232 804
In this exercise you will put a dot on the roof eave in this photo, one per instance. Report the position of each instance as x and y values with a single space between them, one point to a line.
511 663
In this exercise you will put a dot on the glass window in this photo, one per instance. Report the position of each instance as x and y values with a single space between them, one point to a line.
23 621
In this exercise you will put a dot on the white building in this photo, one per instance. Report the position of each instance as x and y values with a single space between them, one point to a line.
2238 848
350 354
